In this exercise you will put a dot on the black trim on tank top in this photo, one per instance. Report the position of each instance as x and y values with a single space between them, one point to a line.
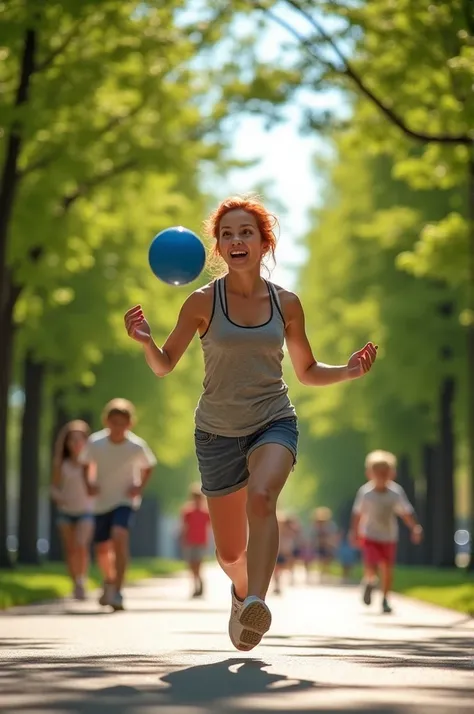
212 313
277 302
245 327
222 297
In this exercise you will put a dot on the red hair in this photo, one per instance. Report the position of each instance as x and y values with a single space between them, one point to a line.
266 223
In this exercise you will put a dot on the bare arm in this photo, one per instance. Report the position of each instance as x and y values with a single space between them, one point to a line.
145 476
162 360
416 530
56 482
354 529
92 488
146 473
307 369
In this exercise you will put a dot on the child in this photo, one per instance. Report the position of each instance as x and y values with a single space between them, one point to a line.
117 465
285 550
346 555
195 523
75 516
324 539
374 522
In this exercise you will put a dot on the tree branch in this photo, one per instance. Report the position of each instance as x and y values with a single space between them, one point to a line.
85 186
40 163
348 71
49 59
468 8
9 172
112 123
307 44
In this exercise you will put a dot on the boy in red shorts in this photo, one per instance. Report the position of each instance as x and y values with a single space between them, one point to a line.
374 524
195 524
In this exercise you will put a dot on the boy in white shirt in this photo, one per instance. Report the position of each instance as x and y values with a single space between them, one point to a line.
374 524
117 465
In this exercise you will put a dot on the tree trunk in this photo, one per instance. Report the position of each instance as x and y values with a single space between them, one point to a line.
444 523
404 549
29 462
470 347
8 294
60 418
426 514
6 344
10 177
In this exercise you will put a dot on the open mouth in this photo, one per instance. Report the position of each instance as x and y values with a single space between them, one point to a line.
236 254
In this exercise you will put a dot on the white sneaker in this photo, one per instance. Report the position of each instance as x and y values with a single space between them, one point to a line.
117 602
249 620
80 591
108 594
256 618
235 628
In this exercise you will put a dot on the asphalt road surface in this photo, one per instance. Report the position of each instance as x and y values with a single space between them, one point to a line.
168 654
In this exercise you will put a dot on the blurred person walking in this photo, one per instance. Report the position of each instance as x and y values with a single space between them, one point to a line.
194 535
75 519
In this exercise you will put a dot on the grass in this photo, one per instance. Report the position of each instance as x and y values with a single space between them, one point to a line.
452 588
28 584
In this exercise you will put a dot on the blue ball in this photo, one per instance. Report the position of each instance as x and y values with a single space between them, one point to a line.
176 256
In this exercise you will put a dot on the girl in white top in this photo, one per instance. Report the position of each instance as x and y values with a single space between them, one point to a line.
68 491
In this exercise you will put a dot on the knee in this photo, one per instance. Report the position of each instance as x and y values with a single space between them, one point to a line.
120 537
102 548
261 501
229 556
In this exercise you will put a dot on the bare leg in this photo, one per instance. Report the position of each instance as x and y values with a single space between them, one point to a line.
106 561
66 531
120 540
277 578
195 568
370 573
269 467
386 572
229 525
83 537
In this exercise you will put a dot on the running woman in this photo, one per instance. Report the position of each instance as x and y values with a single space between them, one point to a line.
75 507
246 431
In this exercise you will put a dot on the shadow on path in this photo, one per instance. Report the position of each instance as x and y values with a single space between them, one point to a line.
451 652
137 684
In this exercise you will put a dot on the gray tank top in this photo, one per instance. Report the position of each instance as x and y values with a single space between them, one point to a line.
243 381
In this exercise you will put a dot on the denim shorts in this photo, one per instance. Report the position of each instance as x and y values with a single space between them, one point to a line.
120 517
74 519
223 460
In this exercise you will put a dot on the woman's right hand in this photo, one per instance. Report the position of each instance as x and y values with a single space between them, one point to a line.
136 325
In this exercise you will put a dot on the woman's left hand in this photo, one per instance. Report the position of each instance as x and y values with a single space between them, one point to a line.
361 361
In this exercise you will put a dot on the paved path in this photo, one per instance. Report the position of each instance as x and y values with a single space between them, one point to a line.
168 654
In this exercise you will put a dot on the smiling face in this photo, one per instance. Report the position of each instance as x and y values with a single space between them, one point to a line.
381 474
75 441
118 425
240 241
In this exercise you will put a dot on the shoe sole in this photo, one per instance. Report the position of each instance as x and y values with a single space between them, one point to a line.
368 594
256 620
